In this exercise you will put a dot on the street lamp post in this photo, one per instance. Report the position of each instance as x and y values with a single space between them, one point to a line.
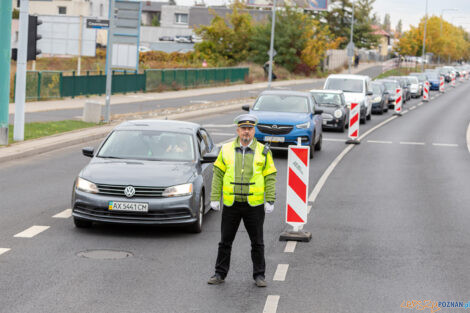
424 37
271 46
351 38
440 36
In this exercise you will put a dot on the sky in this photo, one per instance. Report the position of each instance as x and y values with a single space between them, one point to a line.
411 11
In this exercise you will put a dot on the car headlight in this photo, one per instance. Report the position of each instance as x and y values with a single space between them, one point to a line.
304 125
338 113
378 99
178 191
86 186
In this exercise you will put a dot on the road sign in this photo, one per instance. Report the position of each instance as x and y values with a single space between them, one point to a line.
297 185
97 24
274 52
350 49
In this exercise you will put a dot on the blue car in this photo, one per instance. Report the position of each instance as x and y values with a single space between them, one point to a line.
284 116
434 80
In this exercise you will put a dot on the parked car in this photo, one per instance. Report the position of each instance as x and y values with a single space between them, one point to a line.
422 79
434 80
144 49
391 86
151 172
284 116
404 87
183 39
356 88
379 98
335 110
414 86
166 38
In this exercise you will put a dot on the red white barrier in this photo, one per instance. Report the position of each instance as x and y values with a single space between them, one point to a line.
441 84
453 80
354 112
426 91
398 101
297 185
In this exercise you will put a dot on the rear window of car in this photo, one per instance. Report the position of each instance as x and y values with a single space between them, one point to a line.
391 85
282 103
345 84
413 80
376 90
148 145
328 99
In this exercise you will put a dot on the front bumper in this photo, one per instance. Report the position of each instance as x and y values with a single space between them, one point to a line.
161 211
289 139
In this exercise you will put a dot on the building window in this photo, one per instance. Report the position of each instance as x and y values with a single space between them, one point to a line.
181 18
62 10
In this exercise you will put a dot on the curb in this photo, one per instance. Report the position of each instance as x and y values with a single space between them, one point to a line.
50 143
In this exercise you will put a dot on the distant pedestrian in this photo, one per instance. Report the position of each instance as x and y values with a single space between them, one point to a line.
245 175
356 60
266 71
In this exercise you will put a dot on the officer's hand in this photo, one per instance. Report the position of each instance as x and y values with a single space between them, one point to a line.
268 207
215 205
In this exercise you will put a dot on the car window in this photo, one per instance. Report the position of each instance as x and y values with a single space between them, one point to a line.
327 99
345 84
207 138
148 145
282 103
376 90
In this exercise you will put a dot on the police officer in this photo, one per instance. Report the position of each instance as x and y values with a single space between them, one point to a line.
245 175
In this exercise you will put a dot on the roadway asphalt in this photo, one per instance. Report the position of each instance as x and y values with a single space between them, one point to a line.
388 226
59 115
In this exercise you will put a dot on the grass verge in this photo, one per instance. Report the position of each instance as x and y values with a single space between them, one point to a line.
38 129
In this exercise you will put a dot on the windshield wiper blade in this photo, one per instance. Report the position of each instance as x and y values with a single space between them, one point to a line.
109 157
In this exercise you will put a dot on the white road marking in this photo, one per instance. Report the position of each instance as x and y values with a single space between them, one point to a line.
334 139
420 104
412 108
32 231
4 250
64 214
445 144
281 272
271 304
404 112
378 141
308 209
412 143
222 134
468 137
290 246
225 141
218 125
200 101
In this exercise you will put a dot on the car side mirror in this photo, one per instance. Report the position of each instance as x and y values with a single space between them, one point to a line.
88 151
369 93
386 93
246 107
318 111
210 157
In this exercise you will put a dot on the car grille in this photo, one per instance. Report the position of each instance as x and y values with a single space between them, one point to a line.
140 191
274 129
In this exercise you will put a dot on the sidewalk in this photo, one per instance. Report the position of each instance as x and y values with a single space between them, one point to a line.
50 143
79 102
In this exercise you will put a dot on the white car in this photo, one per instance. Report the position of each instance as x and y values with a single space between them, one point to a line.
414 86
144 49
356 89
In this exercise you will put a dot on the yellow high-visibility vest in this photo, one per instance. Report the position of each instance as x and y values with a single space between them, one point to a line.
255 194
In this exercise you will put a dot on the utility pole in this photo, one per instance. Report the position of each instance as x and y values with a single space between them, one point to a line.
351 39
5 55
80 39
20 90
271 46
109 60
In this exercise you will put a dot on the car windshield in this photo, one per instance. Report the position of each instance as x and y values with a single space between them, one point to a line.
413 80
420 77
282 103
432 75
148 145
391 86
376 90
345 84
327 99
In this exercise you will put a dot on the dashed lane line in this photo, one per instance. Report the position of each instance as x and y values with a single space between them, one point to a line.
4 250
412 143
412 108
64 214
281 272
308 209
31 232
334 139
404 112
420 104
290 246
226 141
445 144
219 125
222 134
271 304
468 137
379 141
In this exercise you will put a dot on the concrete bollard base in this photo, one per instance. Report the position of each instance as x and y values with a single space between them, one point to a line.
92 112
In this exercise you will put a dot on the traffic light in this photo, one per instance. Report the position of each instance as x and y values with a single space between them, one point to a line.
33 37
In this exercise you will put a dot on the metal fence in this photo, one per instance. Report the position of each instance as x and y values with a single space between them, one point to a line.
42 85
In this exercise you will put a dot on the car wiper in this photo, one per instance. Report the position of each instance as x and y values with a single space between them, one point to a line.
351 91
109 157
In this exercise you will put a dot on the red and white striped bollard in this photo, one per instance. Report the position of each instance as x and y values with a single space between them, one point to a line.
353 131
426 91
441 84
398 102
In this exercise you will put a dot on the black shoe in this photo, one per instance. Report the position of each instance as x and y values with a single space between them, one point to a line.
215 280
260 281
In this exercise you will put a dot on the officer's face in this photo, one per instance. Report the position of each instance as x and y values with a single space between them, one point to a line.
246 134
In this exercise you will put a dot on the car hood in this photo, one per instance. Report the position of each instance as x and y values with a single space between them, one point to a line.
328 109
282 118
138 173
353 97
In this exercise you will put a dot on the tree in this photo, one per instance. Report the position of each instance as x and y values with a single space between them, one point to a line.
387 24
156 20
398 29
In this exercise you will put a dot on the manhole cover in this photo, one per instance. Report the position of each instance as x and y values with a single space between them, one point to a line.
104 254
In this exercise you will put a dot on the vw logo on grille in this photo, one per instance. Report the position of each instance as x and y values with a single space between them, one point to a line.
275 126
129 191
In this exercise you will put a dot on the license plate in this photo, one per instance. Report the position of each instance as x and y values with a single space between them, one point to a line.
128 206
273 139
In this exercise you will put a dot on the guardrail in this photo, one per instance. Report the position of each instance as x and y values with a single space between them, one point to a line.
41 85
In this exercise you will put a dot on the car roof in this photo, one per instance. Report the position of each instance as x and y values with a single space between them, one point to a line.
352 76
327 91
389 80
285 93
160 125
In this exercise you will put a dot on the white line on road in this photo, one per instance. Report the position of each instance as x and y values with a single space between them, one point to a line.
412 143
308 209
64 214
468 137
222 134
378 141
404 112
420 104
31 232
281 272
218 125
225 141
200 101
412 108
4 250
271 304
445 144
334 139
290 246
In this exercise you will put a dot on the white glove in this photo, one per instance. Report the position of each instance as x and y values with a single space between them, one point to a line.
268 207
215 205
